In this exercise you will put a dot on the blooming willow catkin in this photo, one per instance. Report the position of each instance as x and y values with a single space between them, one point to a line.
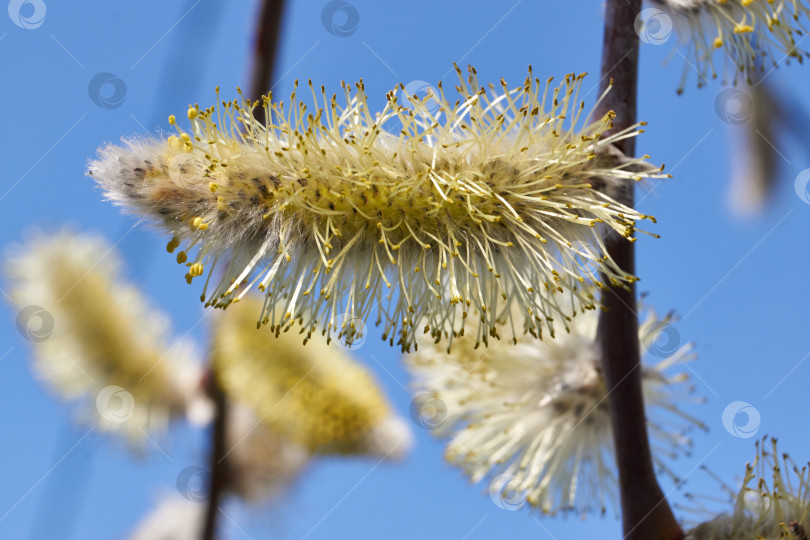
107 345
417 209
773 502
315 396
747 31
534 416
174 517
262 464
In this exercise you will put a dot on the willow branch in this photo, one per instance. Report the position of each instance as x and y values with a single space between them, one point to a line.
218 464
265 46
645 512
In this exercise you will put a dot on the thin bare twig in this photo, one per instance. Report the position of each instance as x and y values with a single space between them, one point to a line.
219 466
645 512
264 51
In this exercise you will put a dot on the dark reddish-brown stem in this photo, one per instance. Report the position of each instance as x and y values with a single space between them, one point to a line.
218 464
646 515
268 30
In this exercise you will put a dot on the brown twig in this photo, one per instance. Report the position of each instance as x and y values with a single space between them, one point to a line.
797 530
219 466
268 30
645 512
265 45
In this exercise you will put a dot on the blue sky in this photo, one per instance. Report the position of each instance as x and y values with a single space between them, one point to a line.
740 286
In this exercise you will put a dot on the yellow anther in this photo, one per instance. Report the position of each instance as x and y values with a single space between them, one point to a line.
197 222
173 244
174 143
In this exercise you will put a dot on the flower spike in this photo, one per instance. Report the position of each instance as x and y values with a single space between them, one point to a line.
414 211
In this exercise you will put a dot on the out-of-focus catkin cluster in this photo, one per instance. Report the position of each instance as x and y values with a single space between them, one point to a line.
314 395
288 403
262 463
534 415
425 206
261 467
746 31
97 338
773 503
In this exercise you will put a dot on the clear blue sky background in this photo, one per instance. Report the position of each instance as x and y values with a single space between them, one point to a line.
741 286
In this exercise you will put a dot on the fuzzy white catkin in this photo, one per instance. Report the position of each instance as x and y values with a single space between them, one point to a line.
398 217
316 396
262 464
748 36
533 416
173 518
104 345
772 504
